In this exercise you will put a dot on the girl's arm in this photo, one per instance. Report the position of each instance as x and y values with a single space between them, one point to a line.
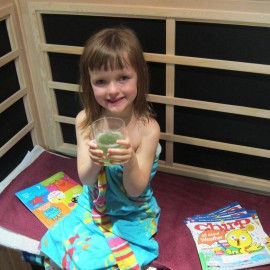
138 166
87 169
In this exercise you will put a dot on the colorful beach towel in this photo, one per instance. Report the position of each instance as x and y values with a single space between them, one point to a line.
108 229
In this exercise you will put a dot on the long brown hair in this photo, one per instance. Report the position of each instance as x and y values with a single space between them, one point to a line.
109 49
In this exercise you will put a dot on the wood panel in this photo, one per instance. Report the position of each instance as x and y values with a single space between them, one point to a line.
17 55
11 260
233 13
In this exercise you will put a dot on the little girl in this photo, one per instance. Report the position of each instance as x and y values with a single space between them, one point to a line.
116 218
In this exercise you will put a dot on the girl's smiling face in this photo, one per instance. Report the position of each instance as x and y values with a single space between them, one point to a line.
115 90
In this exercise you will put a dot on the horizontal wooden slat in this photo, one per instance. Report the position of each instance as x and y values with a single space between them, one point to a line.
5 12
16 138
208 63
195 141
68 149
196 104
257 185
64 119
11 100
255 14
61 49
9 57
176 60
63 86
211 106
217 145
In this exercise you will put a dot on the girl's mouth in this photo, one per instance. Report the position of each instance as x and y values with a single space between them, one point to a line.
115 101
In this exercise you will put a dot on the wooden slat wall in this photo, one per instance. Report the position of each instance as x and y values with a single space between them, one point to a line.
9 16
252 13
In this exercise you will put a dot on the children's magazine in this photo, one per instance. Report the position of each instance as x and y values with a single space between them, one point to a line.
229 238
51 199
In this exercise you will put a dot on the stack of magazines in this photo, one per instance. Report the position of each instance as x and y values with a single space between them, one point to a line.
230 238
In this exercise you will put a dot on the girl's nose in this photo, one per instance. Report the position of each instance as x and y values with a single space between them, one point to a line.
113 88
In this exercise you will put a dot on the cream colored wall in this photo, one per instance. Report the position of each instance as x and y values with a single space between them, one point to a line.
6 2
246 11
256 6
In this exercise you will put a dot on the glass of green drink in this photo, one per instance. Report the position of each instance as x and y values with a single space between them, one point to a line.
106 131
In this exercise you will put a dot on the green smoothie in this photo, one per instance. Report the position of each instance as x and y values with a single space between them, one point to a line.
108 140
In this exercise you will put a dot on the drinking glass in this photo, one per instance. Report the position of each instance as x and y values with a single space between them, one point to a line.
106 131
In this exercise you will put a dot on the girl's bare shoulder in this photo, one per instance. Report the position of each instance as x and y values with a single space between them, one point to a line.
80 116
148 138
150 127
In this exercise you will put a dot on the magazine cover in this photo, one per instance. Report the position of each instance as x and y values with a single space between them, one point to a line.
52 198
229 238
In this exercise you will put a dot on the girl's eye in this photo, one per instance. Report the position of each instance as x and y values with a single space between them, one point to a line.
100 82
123 78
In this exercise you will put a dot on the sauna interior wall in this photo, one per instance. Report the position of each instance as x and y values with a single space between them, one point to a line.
20 128
209 66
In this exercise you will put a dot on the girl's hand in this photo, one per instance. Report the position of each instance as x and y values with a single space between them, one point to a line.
123 154
95 154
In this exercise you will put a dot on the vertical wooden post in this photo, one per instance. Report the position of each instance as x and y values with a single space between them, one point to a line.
11 260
